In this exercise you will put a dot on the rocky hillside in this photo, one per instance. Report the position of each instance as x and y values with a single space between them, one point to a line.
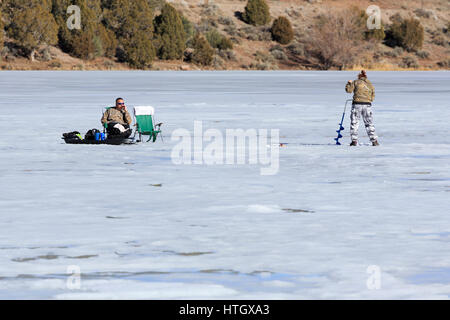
254 49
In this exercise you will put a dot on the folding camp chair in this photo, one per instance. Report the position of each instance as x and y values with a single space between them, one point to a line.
145 123
105 125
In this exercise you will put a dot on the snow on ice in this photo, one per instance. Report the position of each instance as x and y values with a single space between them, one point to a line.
334 222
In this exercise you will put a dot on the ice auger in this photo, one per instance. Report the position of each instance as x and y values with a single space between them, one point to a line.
341 127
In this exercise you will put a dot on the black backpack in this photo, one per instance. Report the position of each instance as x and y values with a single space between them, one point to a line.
90 135
72 136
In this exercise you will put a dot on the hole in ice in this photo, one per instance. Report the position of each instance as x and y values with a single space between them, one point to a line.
258 273
53 257
133 244
193 254
188 254
218 275
32 248
46 257
261 273
298 211
88 256
159 185
228 271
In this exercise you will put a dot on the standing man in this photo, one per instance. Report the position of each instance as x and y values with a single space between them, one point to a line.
364 94
117 119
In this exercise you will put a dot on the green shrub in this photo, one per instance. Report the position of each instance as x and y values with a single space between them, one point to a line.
227 21
218 41
83 43
118 14
276 47
170 33
257 12
423 54
227 55
263 66
398 51
297 48
395 53
279 55
109 64
423 13
209 9
375 34
256 33
440 40
108 41
55 64
214 37
217 62
203 53
231 30
45 55
264 58
444 64
408 33
282 31
93 39
2 39
188 27
132 24
139 51
410 62
31 24
225 44
156 4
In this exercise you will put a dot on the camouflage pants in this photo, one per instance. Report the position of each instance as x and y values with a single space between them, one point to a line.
365 111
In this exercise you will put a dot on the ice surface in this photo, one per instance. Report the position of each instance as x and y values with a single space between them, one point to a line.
139 226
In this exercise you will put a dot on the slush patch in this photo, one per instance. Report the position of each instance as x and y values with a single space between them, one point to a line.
298 211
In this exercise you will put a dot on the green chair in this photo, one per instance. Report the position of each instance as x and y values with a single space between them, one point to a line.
145 123
105 125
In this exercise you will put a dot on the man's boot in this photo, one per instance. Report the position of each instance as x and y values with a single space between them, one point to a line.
375 143
354 143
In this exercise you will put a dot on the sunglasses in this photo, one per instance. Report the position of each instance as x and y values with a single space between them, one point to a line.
121 103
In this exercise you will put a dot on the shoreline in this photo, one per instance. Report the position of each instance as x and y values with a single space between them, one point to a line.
229 70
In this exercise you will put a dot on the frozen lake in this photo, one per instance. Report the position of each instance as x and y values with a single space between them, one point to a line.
137 226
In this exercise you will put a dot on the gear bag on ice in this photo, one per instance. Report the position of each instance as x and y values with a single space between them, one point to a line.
90 135
73 136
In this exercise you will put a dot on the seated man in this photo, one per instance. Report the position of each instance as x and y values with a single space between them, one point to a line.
118 120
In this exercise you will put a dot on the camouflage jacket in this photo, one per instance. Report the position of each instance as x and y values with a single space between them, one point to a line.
363 90
115 115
